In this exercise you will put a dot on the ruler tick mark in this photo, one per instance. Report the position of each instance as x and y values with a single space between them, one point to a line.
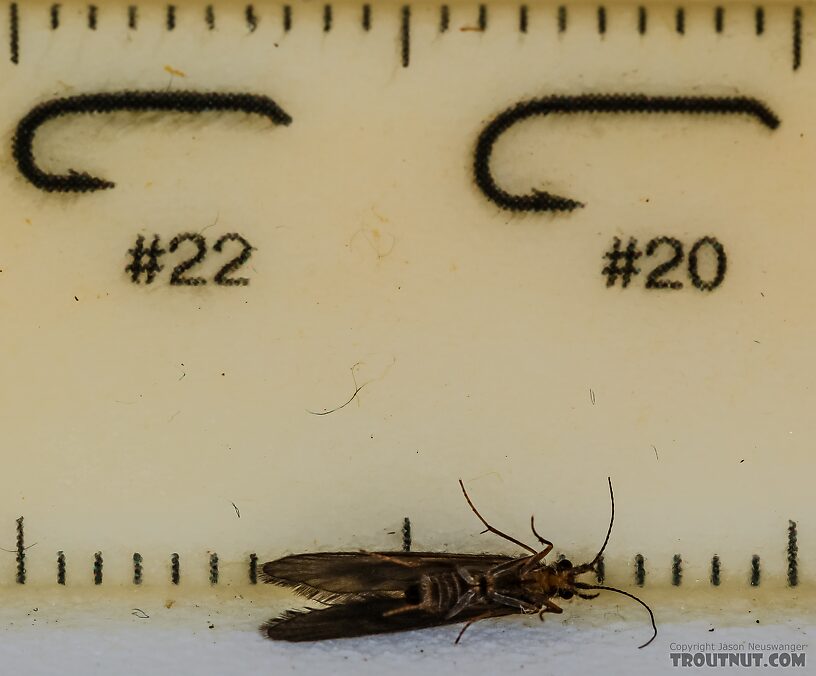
602 20
715 570
677 570
406 534
213 568
759 20
642 20
253 569
175 572
133 17
14 33
562 19
444 19
523 19
97 568
171 17
793 553
21 570
251 18
405 35
137 568
209 17
600 570
719 19
797 38
61 567
327 18
287 18
755 571
366 20
640 570
93 15
55 16
680 21
482 18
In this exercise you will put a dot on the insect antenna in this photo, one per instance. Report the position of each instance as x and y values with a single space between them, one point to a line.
584 567
588 597
582 585
489 528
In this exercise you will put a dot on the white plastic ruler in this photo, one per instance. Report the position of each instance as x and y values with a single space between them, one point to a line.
274 276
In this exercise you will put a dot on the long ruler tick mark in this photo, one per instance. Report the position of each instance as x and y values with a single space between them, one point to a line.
483 18
642 20
366 20
21 569
171 17
93 17
602 20
133 17
680 21
523 18
444 19
55 17
562 19
759 20
719 19
287 18
793 553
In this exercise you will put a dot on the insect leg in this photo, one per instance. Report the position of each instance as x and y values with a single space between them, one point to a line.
533 561
391 559
508 566
400 611
464 601
490 528
513 602
549 607
464 573
543 541
483 616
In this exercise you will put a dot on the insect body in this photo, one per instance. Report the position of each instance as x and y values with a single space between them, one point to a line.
381 592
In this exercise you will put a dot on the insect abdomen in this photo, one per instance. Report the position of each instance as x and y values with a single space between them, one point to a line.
441 592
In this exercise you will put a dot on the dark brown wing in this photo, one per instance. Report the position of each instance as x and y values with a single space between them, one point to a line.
362 618
347 576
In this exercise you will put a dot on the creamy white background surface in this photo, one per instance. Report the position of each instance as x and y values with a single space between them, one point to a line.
132 417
